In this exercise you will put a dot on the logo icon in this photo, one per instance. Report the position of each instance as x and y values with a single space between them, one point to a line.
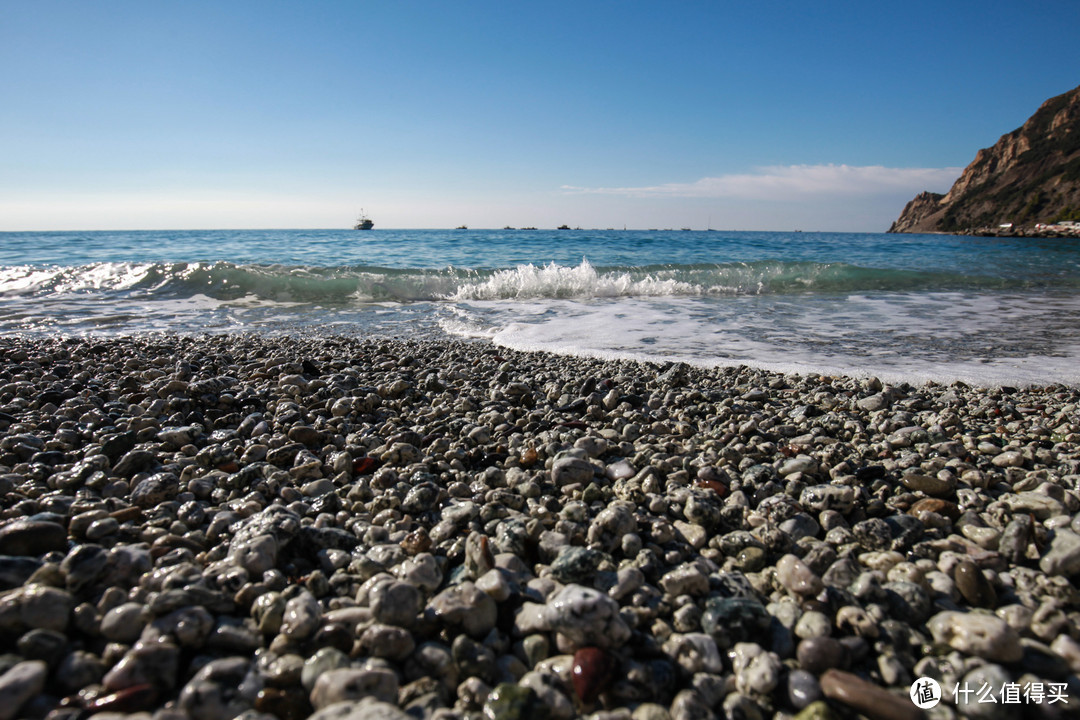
925 693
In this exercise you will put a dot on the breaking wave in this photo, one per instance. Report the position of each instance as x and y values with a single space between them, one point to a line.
226 281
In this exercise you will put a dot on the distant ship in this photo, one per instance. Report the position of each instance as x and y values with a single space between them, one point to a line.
363 222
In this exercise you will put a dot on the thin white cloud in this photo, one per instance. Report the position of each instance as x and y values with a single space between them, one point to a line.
794 181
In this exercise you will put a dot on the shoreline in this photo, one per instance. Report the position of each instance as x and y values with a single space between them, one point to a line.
203 526
1024 232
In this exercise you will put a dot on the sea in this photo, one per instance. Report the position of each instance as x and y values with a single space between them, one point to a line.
904 308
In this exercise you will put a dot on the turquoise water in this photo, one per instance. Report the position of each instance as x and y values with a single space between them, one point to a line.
985 310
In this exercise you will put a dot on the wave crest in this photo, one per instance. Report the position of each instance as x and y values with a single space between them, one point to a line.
560 281
351 284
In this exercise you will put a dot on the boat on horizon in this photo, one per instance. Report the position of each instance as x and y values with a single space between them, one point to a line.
363 222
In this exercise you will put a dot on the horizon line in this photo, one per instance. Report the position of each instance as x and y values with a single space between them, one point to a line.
462 229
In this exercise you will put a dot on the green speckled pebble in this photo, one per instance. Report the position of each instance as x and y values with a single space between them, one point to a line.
818 710
514 702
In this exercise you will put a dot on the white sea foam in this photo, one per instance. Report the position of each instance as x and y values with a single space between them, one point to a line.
982 340
25 279
59 280
560 281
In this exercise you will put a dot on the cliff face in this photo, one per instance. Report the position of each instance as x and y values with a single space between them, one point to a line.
1031 175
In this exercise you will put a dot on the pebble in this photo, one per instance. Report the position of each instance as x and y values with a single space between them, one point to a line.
154 663
694 652
274 527
396 603
802 688
856 621
799 579
1063 557
35 606
572 470
812 624
872 403
986 676
323 661
973 585
124 623
650 711
817 710
216 690
730 620
756 670
510 701
818 654
582 615
933 486
367 708
386 641
19 684
867 698
685 580
32 538
1041 506
465 606
751 559
301 616
1007 459
978 634
575 564
593 671
345 684
1015 539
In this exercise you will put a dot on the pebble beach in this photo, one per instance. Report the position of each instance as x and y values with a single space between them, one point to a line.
241 526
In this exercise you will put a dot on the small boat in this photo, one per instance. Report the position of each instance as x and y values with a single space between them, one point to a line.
363 222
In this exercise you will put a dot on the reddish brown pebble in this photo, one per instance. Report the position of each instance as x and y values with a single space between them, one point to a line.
592 673
867 698
125 514
417 541
229 467
528 458
715 485
936 505
364 465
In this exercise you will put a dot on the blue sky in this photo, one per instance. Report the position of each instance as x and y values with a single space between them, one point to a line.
738 115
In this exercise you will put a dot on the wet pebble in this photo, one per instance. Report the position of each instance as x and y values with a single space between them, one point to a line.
973 585
802 688
818 654
867 698
33 538
345 684
797 577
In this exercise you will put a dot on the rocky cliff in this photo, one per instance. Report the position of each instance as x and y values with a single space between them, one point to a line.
1032 175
